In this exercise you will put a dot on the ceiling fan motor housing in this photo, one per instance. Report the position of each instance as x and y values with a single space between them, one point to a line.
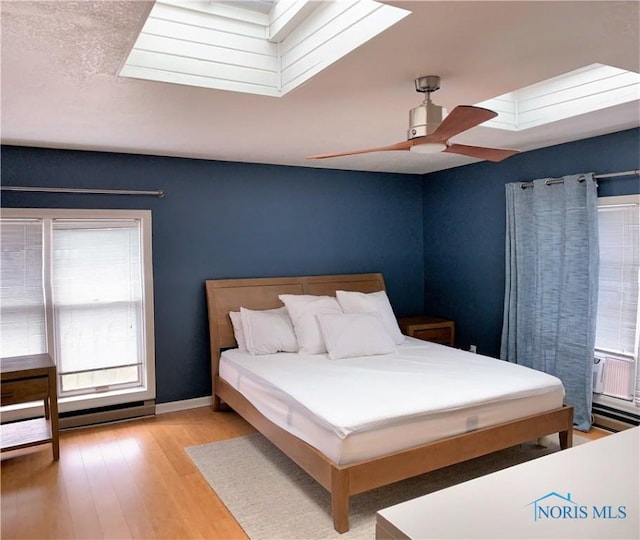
424 119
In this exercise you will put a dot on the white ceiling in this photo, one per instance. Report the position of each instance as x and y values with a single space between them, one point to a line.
60 87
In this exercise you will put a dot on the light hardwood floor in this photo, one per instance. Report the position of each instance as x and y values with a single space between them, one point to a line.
123 480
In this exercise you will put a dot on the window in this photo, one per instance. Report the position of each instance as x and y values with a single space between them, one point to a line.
618 326
78 284
21 289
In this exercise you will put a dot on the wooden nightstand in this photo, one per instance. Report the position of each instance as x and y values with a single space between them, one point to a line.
426 328
24 379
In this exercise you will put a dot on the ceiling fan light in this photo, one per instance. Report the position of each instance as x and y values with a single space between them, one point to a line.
428 148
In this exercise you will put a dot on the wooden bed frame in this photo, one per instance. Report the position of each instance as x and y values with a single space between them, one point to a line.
341 481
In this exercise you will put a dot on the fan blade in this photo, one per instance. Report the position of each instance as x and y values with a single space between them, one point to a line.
490 154
460 119
404 145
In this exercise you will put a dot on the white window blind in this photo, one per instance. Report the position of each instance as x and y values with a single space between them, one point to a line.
617 324
22 307
619 267
97 301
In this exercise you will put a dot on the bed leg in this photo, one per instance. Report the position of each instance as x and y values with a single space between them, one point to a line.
566 439
340 499
217 403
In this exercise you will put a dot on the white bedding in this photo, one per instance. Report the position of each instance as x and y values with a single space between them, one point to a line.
359 408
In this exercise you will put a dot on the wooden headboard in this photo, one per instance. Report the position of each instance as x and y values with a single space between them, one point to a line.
225 295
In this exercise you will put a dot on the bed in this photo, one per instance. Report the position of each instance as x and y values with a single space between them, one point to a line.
349 471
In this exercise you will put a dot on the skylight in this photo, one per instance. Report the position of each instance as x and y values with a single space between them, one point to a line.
264 47
584 90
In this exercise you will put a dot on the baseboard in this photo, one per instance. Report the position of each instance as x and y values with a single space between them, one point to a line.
103 415
614 419
185 404
129 412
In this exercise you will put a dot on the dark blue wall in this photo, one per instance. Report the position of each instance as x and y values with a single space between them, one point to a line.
223 220
464 226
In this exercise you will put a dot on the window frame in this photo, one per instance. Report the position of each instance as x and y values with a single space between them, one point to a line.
147 390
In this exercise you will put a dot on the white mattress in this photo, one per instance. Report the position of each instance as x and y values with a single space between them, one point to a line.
365 407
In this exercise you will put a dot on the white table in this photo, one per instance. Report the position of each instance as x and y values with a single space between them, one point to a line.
588 491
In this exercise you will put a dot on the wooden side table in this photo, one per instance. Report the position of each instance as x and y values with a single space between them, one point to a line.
428 328
24 379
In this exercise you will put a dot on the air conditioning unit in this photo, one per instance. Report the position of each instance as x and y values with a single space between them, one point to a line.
598 373
613 375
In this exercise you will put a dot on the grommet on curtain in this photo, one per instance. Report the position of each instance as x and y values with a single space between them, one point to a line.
581 178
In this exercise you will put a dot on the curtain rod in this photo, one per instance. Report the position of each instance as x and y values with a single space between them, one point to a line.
552 181
157 193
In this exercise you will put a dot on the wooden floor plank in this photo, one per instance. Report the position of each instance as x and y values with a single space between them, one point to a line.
57 519
156 478
27 498
110 513
11 483
77 481
130 498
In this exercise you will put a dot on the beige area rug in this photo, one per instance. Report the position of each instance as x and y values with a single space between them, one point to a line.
272 498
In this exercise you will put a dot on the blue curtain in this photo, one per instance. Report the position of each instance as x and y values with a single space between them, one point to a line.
551 289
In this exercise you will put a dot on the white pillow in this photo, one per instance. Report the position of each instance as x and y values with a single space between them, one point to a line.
302 309
267 332
238 332
355 334
377 302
